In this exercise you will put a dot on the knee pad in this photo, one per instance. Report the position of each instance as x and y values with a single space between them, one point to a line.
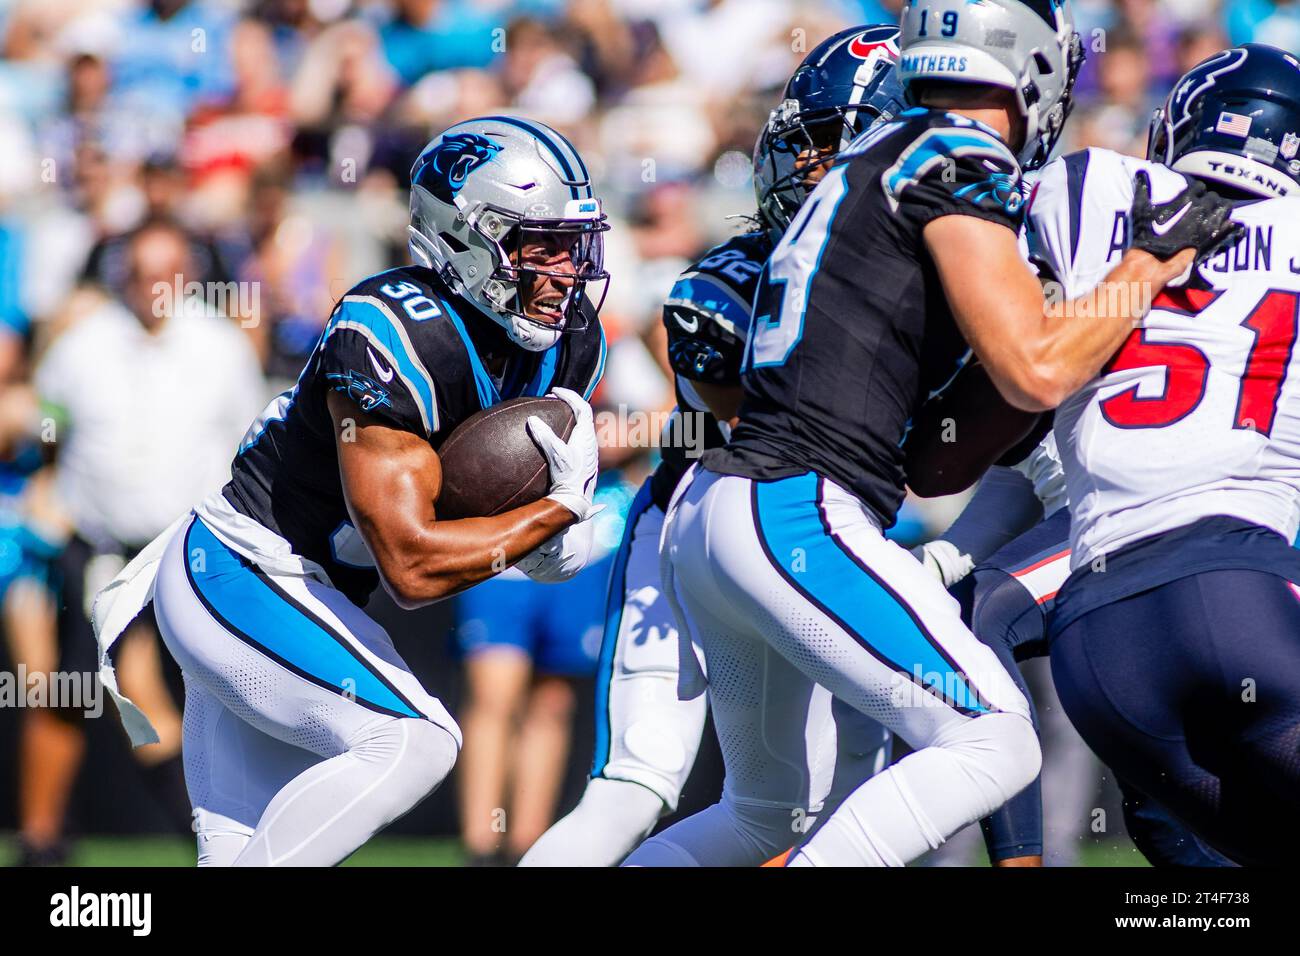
999 752
431 752
423 752
661 852
729 833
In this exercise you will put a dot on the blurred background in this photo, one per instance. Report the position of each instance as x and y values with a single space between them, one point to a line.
259 149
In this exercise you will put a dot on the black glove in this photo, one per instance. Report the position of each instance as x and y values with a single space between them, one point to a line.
1194 219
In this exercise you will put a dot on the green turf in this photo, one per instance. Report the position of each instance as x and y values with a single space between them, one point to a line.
175 851
392 851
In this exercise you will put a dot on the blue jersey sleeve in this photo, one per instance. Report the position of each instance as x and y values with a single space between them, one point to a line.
708 312
366 353
956 170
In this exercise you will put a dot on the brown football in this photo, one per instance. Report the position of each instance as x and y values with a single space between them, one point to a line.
490 464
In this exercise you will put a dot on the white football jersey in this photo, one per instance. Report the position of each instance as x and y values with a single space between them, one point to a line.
1198 413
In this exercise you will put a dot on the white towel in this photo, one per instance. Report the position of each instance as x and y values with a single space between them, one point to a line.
132 590
115 607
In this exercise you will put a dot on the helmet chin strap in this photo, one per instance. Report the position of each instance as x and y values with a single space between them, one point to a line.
529 335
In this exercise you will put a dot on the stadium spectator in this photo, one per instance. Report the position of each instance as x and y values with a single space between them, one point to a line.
541 78
148 396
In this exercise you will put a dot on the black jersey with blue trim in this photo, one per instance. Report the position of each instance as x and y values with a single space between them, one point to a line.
851 331
707 316
412 354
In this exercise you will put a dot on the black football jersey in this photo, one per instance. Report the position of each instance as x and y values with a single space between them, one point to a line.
707 317
851 330
413 354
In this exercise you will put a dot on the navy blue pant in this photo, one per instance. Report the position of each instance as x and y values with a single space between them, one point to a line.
1003 614
1190 691
1014 624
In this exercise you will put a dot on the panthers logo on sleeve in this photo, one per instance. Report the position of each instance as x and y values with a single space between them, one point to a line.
367 352
707 313
961 168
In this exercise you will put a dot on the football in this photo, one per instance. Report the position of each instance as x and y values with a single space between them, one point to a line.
491 464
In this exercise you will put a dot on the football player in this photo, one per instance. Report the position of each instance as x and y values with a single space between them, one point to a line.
902 263
1173 639
647 739
305 732
1077 226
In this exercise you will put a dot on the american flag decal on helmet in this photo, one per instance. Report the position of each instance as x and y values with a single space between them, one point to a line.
1234 124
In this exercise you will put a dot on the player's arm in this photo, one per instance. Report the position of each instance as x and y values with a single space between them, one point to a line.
961 434
703 350
1037 352
723 401
391 481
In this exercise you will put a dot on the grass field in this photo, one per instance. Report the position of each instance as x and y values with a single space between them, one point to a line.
391 851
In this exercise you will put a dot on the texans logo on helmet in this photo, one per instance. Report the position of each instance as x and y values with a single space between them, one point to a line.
1200 80
448 164
865 44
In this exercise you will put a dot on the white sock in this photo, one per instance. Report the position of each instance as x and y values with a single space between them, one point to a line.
612 818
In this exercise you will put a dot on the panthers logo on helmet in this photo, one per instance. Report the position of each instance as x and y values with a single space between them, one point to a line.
449 163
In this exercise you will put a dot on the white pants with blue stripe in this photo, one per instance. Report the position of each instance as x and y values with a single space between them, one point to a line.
647 736
789 586
304 731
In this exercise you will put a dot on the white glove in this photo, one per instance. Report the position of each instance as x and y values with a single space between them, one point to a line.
560 557
573 463
943 560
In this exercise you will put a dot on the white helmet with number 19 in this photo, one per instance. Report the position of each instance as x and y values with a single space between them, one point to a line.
1027 46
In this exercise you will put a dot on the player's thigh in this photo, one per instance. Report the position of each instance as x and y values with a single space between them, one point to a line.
644 733
232 769
1251 623
772 721
1013 589
1128 683
289 655
800 562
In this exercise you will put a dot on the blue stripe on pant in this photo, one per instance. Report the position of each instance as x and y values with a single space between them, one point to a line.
613 623
809 555
248 604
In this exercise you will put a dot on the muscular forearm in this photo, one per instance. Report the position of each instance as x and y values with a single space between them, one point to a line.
1080 335
441 558
1038 351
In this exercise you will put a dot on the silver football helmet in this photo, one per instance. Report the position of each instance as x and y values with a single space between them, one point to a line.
1028 46
487 190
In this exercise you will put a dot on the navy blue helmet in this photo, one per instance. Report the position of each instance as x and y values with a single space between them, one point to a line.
1235 119
839 89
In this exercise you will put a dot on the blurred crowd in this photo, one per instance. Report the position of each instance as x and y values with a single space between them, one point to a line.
253 155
